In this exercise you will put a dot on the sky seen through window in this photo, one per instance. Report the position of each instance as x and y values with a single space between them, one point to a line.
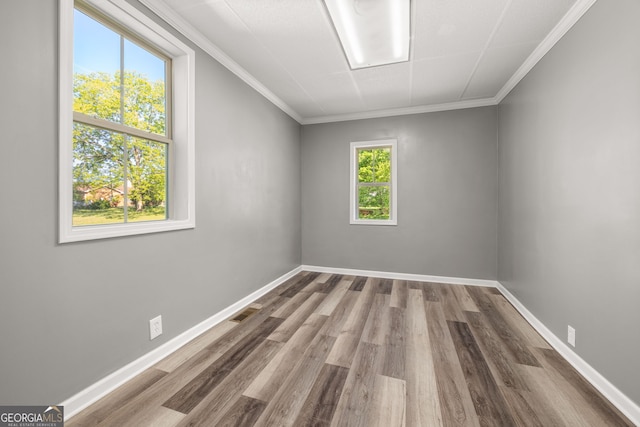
97 49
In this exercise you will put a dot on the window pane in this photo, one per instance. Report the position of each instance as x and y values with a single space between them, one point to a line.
98 176
98 84
147 176
365 165
144 89
96 69
374 165
382 162
373 202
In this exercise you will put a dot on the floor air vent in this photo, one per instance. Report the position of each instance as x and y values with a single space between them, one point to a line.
244 314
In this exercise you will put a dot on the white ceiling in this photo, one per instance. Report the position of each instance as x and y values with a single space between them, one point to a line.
464 53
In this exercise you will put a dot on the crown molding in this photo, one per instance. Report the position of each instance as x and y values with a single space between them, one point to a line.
565 24
164 11
459 105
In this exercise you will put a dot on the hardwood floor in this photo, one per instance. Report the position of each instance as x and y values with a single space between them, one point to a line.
332 350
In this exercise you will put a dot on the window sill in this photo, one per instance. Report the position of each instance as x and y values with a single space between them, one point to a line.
89 232
373 222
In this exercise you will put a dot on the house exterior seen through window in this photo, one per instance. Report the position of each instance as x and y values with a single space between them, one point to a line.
374 182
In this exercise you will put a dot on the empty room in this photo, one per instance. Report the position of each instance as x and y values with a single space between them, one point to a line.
320 212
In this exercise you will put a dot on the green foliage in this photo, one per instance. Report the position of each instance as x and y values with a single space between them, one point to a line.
99 95
373 202
103 158
98 205
374 176
97 158
374 165
147 169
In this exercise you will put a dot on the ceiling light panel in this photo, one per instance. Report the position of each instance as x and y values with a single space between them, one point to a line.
372 32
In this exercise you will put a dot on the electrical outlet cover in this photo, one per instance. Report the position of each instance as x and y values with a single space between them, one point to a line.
571 336
155 327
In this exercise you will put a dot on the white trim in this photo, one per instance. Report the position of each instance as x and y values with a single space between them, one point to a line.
65 117
630 409
181 160
449 106
96 391
579 8
402 276
160 8
353 182
119 128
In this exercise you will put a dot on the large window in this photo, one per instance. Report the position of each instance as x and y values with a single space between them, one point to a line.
373 182
126 159
120 133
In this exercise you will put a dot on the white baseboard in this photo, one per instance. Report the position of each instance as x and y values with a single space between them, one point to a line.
402 276
615 396
94 392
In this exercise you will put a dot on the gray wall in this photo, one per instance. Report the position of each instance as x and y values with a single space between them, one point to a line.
569 140
71 314
569 150
447 196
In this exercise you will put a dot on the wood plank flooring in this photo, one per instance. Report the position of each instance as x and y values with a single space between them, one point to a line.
333 350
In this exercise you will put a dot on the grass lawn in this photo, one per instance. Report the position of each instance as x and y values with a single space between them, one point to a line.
116 215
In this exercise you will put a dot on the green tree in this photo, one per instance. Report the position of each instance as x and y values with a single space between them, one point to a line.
147 173
104 159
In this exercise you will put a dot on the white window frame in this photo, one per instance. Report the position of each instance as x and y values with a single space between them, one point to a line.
353 192
181 156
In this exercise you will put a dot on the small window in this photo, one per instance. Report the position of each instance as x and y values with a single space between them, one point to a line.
373 182
126 124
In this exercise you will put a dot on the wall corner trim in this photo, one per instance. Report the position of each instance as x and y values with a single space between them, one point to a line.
96 391
630 409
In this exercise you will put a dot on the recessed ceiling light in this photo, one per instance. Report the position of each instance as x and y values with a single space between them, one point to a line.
372 32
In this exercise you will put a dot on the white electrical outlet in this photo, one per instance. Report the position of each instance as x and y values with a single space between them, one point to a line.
155 327
571 336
